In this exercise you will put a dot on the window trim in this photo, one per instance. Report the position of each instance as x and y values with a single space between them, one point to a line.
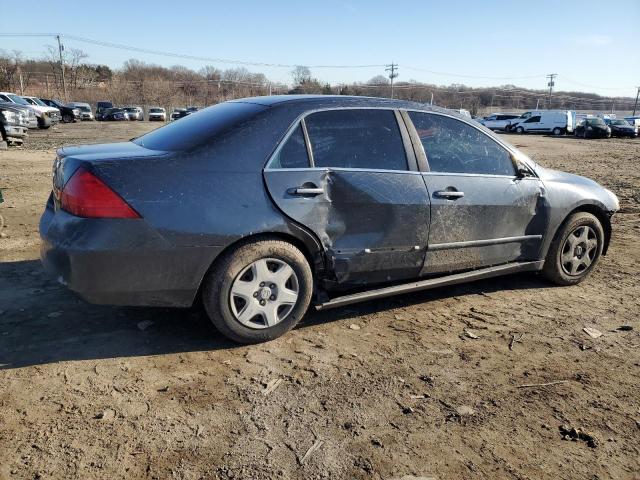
415 138
403 129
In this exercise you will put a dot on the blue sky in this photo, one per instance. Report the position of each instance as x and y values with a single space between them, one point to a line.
592 45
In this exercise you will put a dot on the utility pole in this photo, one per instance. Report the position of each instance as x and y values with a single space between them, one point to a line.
21 83
432 99
636 104
64 83
392 69
551 84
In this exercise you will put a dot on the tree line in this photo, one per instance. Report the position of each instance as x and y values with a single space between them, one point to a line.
147 84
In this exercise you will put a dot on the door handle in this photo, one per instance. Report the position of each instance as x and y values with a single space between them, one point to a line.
451 194
308 191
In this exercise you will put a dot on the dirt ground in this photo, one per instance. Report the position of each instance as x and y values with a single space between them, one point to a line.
388 389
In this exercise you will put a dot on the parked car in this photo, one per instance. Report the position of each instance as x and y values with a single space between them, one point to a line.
634 121
46 116
69 114
114 114
13 124
498 121
101 107
85 110
557 122
178 113
31 121
52 113
135 113
621 128
157 114
192 109
260 207
592 127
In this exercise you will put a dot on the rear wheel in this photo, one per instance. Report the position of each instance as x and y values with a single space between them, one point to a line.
575 250
557 131
258 291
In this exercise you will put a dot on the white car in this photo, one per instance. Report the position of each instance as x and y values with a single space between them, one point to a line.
157 114
46 116
498 121
48 113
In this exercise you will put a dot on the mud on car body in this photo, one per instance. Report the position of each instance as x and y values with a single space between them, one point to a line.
261 206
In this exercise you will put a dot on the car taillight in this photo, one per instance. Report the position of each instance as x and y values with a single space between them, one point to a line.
85 195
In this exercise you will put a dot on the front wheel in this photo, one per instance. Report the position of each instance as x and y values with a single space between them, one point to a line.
575 250
258 291
520 130
67 118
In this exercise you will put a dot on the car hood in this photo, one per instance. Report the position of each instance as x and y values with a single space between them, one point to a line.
587 187
107 151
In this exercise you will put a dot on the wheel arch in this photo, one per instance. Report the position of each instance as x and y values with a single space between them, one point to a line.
297 236
597 211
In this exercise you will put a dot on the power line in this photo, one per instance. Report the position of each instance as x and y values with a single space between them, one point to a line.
182 55
448 74
285 65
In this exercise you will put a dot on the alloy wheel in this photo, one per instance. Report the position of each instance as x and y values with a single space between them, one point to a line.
264 293
579 250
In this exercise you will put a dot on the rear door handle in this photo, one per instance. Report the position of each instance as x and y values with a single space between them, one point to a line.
453 194
308 191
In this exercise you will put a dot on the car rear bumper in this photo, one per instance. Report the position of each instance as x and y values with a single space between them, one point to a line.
120 261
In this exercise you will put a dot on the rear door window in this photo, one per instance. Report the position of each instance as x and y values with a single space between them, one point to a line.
356 138
535 119
293 153
453 146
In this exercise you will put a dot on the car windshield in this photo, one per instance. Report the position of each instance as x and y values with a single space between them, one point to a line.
596 121
58 103
83 108
18 99
195 129
39 102
619 122
155 110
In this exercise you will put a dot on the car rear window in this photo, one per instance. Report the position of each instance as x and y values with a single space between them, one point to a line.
195 129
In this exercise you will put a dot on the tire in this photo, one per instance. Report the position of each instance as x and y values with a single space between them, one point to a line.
239 279
67 118
520 130
557 131
575 250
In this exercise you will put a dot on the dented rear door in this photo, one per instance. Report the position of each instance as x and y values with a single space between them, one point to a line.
373 222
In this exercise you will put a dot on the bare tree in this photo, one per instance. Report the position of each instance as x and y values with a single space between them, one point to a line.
301 74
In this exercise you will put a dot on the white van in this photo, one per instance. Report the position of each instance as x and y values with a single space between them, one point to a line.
557 122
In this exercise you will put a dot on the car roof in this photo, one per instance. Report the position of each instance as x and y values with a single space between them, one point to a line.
339 101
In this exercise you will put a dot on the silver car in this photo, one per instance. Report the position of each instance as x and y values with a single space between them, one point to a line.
135 113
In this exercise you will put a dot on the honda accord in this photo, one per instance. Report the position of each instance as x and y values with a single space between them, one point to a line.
262 206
